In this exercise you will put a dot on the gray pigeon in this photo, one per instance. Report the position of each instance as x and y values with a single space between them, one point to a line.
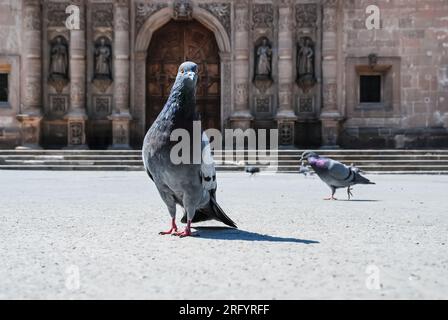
252 170
305 170
335 174
190 185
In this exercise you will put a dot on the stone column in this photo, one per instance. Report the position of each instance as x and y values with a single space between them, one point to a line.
241 116
330 115
31 94
121 116
76 117
285 114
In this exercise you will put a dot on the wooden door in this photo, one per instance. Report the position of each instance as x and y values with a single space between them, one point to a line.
171 45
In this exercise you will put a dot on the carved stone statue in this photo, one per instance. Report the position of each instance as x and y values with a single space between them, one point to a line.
264 58
103 60
305 63
59 59
183 10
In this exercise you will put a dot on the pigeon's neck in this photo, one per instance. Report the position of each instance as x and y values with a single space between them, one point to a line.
312 160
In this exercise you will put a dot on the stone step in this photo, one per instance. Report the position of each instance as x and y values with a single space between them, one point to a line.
283 152
288 160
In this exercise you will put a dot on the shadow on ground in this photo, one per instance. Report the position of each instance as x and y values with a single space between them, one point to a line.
225 233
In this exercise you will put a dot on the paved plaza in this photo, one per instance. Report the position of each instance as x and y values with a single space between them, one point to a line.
94 235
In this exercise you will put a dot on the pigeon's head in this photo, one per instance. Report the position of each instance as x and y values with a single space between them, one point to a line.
309 154
187 75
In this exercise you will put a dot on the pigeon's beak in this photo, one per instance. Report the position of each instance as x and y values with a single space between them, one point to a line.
191 75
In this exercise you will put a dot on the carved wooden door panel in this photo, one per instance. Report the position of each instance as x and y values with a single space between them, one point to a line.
171 45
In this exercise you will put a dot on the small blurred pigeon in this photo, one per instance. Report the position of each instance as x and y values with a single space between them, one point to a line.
335 174
252 170
304 169
192 186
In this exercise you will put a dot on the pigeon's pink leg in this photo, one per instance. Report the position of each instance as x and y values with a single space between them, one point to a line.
173 228
333 191
186 232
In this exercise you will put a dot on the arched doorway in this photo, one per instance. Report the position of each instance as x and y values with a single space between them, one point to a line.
172 44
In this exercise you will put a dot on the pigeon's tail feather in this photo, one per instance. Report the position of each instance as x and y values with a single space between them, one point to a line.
212 212
359 179
219 213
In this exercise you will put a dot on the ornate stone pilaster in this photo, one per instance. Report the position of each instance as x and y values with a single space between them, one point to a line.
31 95
77 116
285 114
241 116
330 115
121 115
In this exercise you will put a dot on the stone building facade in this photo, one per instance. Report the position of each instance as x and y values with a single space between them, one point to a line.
310 68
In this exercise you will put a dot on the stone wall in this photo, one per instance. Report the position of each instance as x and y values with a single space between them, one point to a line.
10 48
414 34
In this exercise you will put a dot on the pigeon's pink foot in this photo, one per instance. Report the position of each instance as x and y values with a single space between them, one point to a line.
172 230
183 234
330 199
186 232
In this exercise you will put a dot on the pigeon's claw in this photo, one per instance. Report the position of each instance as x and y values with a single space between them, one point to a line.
330 198
172 230
349 193
183 234
186 232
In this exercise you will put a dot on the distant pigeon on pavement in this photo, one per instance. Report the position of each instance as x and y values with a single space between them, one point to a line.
252 170
304 169
335 174
192 186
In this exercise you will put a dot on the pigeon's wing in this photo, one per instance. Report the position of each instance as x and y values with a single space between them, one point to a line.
339 171
208 171
333 172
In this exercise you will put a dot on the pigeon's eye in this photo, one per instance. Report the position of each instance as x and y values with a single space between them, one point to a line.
181 70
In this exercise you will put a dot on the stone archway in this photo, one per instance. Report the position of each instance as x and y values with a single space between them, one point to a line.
142 42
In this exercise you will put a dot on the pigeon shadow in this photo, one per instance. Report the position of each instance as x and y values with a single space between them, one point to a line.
226 233
354 200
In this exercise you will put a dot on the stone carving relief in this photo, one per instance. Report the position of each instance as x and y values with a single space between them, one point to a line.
329 95
59 63
56 14
263 104
306 76
102 15
58 104
227 88
241 22
122 20
329 18
76 93
145 10
263 16
306 15
241 94
183 10
306 104
286 133
221 11
286 23
32 19
76 132
102 105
